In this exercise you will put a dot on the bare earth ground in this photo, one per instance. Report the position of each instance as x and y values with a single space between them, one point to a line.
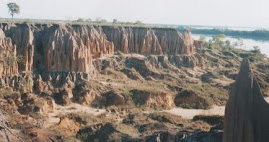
53 117
190 113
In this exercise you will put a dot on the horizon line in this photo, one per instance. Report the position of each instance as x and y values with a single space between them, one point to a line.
167 24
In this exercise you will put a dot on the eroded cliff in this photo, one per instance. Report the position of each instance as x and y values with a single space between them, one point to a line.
96 82
8 56
69 48
148 41
23 37
50 48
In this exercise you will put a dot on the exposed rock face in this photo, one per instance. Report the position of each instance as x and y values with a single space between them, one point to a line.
33 104
150 41
134 40
6 134
152 100
61 77
84 95
190 99
39 85
70 48
187 45
22 36
143 66
113 98
8 63
69 125
247 113
22 83
186 60
64 97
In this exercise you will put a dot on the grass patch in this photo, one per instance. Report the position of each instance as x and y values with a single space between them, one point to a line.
213 95
166 117
7 93
212 120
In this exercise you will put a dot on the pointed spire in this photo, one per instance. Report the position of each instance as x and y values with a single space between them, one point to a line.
245 67
246 111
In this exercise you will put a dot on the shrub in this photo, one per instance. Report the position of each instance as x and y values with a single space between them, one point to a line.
212 120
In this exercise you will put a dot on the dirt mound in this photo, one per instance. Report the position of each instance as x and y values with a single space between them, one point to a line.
152 99
113 98
190 99
7 134
110 132
69 125
142 66
166 117
131 73
212 120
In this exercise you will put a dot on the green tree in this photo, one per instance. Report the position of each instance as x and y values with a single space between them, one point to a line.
202 38
20 60
256 49
228 44
80 20
139 23
13 8
115 21
218 41
239 42
10 60
204 41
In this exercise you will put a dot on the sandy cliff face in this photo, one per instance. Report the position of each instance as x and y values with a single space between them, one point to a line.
150 41
133 40
22 36
72 48
53 48
8 63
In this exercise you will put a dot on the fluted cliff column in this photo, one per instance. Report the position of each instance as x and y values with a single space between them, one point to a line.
22 36
8 63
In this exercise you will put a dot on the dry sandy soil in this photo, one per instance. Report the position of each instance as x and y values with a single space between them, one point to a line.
190 113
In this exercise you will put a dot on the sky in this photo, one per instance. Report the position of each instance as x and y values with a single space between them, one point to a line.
243 13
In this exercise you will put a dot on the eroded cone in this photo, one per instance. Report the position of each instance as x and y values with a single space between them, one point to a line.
246 113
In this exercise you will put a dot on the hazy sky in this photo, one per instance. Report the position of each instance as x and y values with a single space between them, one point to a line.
194 12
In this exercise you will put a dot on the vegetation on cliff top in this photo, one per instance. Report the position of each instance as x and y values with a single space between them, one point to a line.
81 21
220 43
